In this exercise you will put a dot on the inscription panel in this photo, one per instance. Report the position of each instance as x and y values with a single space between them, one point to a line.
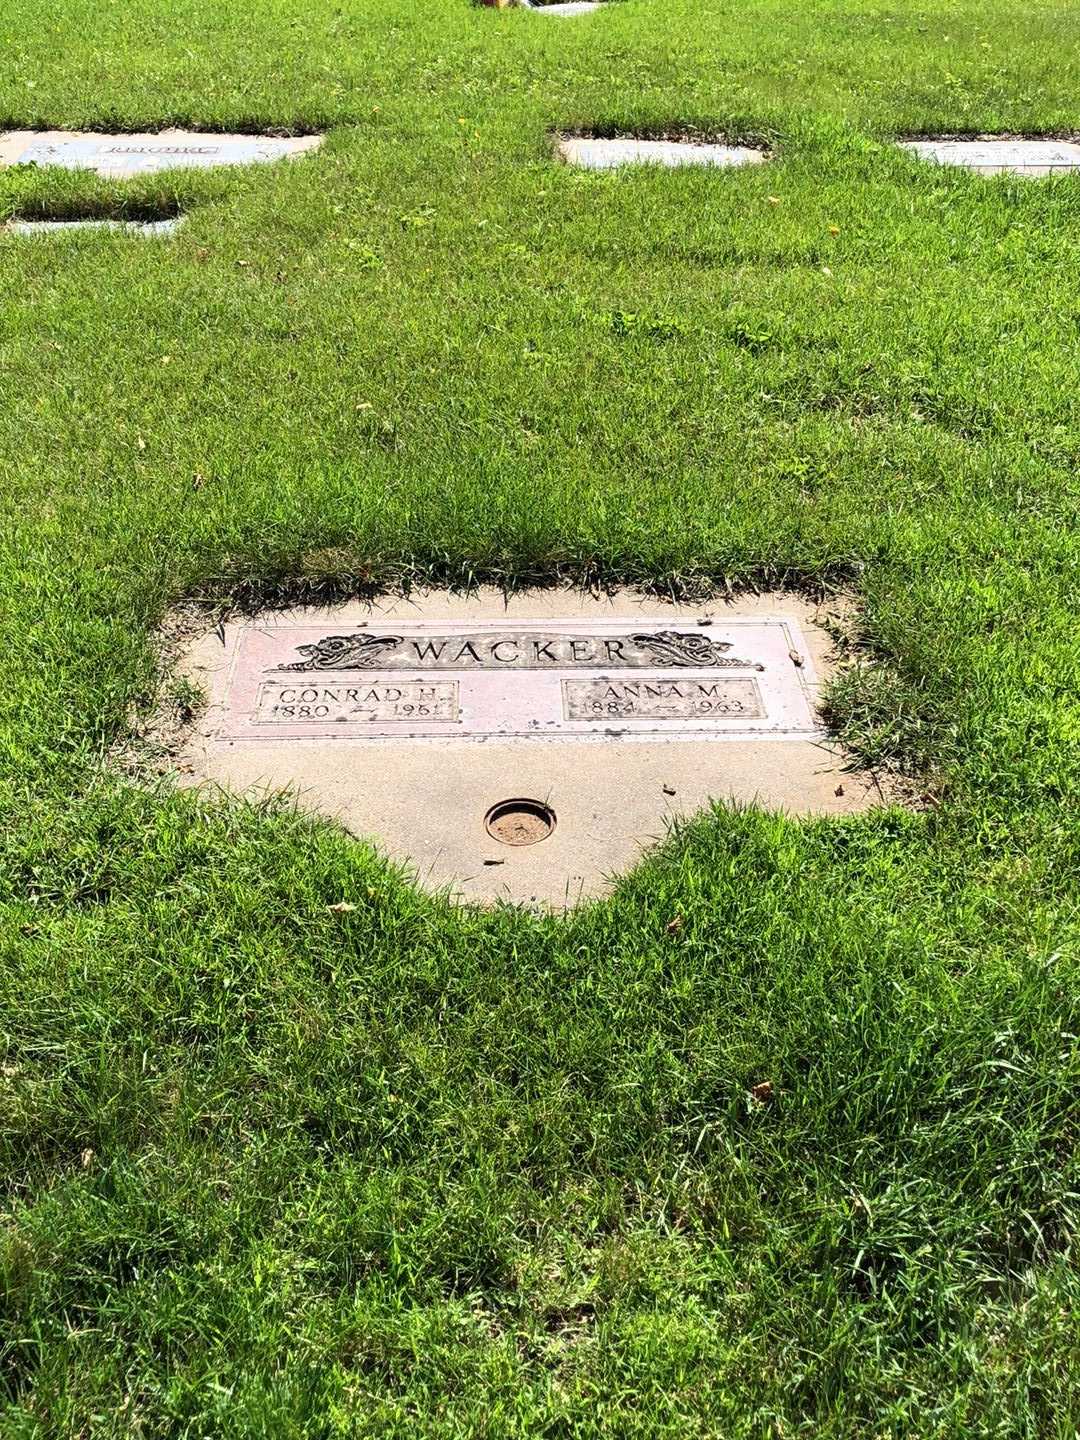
594 680
360 705
694 697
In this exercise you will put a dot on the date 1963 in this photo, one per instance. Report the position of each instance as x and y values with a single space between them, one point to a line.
687 698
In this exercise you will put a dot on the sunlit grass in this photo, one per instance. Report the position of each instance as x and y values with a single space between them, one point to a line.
276 1169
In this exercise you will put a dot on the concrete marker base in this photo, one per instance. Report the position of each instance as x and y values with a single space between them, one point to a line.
614 787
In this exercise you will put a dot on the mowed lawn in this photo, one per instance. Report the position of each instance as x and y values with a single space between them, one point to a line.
782 1139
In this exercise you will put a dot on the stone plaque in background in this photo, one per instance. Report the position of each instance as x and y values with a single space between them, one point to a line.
568 9
52 228
599 680
118 156
602 153
996 155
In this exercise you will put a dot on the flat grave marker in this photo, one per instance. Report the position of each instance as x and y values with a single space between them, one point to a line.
594 679
998 155
524 748
61 227
117 157
567 9
598 153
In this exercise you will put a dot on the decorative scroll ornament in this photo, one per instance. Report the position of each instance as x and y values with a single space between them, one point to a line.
678 647
343 652
520 649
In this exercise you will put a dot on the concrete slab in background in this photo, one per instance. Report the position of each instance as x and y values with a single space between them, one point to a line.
62 227
989 155
595 153
569 8
118 157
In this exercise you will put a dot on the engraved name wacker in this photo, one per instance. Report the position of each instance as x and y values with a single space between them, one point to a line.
516 649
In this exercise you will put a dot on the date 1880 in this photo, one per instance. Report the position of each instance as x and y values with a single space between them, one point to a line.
409 701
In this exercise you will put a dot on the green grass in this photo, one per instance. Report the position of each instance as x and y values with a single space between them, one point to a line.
273 1170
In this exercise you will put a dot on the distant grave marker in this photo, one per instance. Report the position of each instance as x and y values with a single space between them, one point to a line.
568 8
116 157
997 155
597 153
524 749
61 227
